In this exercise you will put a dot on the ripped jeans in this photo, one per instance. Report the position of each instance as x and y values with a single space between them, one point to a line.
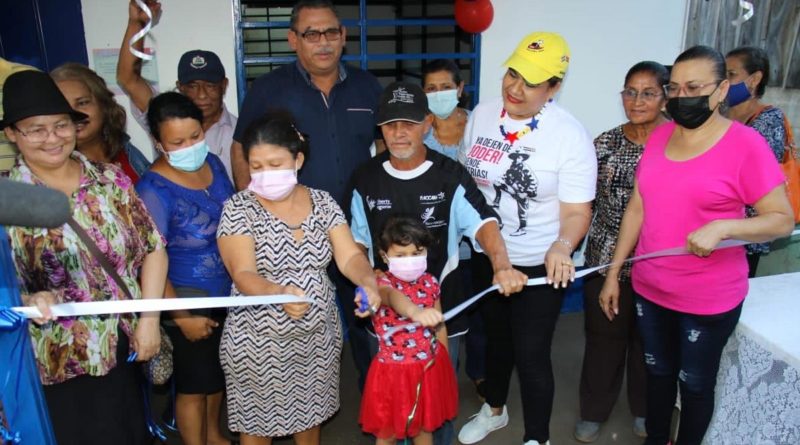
683 348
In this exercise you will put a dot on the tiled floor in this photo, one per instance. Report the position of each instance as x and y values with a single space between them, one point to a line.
567 356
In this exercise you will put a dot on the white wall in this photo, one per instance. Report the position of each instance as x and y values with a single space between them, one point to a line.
185 25
605 37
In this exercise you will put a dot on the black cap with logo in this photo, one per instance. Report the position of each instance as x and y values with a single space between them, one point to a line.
402 101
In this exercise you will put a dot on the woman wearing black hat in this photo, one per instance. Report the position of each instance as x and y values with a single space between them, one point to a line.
90 388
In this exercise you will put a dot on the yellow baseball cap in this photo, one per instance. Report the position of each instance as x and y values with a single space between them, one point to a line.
540 56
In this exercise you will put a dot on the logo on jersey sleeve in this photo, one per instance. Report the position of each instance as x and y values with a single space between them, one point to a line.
378 203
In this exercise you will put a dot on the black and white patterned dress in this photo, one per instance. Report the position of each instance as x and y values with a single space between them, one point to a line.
617 159
282 375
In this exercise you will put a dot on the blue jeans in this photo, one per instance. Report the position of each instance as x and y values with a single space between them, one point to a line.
683 348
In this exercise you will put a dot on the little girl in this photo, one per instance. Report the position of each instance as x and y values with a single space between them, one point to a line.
411 387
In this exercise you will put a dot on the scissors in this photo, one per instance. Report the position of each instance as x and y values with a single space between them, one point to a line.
363 302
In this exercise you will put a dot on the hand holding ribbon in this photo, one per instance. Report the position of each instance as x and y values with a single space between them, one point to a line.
42 301
148 13
297 309
609 307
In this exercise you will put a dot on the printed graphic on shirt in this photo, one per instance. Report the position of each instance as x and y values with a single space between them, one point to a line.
485 150
520 183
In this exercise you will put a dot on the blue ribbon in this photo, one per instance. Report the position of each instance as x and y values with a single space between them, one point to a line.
10 320
9 437
152 425
172 423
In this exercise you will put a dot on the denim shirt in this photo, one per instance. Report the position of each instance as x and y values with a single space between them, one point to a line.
138 161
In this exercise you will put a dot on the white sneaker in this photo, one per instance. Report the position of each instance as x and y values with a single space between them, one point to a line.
533 442
482 424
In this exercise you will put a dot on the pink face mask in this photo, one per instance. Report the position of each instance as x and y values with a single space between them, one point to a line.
273 185
408 268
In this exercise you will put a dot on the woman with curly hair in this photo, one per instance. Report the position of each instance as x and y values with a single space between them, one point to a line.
101 137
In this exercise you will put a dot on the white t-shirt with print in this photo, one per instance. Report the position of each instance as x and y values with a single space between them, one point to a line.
526 179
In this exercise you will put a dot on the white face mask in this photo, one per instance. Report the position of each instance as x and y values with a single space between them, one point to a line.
273 185
442 103
408 268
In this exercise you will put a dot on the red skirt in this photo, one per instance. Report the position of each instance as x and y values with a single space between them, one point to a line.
390 392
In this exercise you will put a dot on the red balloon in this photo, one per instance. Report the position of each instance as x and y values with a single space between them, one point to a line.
474 16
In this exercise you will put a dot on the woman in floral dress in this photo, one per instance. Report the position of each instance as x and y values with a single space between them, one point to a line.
91 390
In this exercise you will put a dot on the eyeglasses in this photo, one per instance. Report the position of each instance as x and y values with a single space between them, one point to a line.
41 134
646 95
313 36
691 89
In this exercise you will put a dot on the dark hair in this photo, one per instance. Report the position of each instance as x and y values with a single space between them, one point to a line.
275 128
170 105
403 231
310 4
657 70
701 52
754 59
112 131
434 66
553 81
437 65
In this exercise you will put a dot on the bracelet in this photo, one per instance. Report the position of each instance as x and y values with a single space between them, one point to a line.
565 242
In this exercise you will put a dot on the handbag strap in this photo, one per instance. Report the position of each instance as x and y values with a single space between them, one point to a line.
99 255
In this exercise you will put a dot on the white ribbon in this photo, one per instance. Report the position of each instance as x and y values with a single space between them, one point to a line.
748 9
143 32
156 304
578 274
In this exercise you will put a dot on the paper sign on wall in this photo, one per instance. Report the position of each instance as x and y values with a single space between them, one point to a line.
105 64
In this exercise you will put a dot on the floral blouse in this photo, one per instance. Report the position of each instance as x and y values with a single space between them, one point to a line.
617 159
769 123
107 207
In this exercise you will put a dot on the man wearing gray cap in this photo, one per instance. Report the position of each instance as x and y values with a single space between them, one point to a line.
411 180
201 77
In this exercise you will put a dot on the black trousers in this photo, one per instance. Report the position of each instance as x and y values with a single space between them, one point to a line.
612 349
519 333
103 410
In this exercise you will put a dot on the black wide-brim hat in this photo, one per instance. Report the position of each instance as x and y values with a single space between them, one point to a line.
33 93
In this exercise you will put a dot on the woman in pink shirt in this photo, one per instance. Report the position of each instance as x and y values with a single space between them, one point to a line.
694 179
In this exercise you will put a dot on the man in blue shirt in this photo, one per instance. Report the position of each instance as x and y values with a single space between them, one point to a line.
334 104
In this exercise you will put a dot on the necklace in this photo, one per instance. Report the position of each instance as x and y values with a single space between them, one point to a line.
512 137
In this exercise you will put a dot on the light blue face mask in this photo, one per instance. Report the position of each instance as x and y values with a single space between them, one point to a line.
442 103
189 159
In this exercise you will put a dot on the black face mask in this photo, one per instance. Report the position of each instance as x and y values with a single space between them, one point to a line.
689 112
